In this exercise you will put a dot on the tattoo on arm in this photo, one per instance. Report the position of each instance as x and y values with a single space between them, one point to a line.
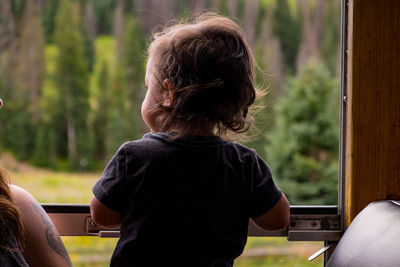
53 239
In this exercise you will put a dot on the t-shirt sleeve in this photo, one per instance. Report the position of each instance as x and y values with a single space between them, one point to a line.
109 188
264 193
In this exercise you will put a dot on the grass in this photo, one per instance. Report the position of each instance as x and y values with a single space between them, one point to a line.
58 187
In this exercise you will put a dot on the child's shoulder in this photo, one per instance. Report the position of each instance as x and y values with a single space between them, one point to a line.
146 142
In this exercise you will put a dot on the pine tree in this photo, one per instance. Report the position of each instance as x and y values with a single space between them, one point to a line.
331 38
222 7
117 123
45 152
101 114
72 83
303 147
287 28
26 75
104 15
50 11
132 63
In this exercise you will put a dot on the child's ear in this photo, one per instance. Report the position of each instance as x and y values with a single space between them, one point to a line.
169 94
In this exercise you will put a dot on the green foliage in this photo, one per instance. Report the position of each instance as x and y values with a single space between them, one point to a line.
18 7
330 46
181 9
100 122
303 146
104 15
17 129
102 98
90 91
129 6
20 82
49 16
132 69
261 13
262 118
287 28
240 10
72 79
88 49
222 7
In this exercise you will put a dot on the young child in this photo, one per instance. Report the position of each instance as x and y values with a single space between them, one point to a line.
183 195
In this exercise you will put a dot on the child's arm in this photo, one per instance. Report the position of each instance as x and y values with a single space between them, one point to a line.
276 218
103 215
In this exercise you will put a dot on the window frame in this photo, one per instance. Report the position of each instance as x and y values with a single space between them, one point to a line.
307 223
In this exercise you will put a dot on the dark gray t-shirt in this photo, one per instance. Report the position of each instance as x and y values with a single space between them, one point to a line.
185 202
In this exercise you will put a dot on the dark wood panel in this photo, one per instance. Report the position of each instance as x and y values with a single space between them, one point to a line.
373 117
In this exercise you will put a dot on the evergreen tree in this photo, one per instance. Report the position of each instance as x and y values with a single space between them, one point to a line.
331 38
182 9
132 63
303 146
287 28
104 15
50 11
72 83
240 10
18 7
261 14
101 114
22 109
127 88
45 152
116 124
222 7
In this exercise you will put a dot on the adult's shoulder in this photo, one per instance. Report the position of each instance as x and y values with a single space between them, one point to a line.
22 198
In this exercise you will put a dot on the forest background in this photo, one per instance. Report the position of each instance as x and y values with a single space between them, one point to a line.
72 79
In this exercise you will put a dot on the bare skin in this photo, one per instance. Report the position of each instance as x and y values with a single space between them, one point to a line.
43 245
276 218
103 215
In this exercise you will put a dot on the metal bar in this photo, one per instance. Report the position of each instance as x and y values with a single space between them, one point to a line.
305 223
66 208
343 113
84 208
314 235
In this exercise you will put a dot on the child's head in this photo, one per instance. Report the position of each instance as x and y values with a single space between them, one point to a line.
199 78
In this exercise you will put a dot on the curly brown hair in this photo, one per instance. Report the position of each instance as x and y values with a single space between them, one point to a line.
210 68
11 225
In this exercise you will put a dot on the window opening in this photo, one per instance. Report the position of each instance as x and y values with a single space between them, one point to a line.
58 161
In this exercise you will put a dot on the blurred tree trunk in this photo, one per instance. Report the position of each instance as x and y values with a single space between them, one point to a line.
118 29
197 6
7 25
149 19
249 21
89 20
7 44
28 62
72 77
312 32
273 57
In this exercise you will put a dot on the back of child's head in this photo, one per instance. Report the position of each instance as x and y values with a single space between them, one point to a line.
209 68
